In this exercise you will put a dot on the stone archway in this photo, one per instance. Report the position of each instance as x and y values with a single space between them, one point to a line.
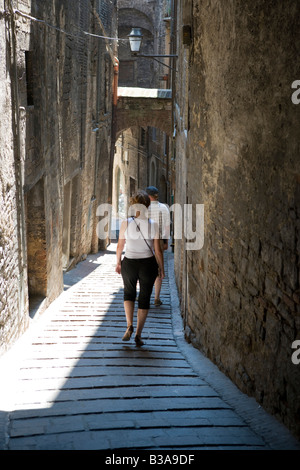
144 107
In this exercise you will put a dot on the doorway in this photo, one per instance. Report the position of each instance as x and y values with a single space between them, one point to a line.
66 234
36 246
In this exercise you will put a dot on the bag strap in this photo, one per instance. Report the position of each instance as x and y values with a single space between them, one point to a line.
160 224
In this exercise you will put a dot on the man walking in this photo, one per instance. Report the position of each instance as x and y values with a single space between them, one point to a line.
161 215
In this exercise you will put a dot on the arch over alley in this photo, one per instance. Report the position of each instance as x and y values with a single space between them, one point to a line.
144 107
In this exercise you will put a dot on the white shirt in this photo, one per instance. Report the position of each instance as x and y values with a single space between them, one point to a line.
136 246
161 215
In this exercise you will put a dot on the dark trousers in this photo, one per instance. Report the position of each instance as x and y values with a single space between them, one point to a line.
144 270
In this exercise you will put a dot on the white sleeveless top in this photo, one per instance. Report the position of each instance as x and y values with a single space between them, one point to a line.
136 246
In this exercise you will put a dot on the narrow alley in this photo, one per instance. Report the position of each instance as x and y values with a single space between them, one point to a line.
79 387
198 102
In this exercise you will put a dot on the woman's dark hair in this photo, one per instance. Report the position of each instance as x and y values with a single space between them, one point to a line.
140 197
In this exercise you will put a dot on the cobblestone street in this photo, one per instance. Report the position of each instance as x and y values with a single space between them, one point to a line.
72 384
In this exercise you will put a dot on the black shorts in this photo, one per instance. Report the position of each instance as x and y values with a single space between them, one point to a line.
144 270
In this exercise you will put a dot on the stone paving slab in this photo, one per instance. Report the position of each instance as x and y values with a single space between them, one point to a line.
72 384
38 397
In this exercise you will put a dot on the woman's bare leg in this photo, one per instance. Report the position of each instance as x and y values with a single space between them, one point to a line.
129 309
141 318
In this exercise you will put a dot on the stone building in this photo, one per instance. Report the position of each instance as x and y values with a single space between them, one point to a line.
57 72
237 153
142 152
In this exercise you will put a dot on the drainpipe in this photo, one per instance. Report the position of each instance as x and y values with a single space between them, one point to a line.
173 51
113 127
116 81
113 134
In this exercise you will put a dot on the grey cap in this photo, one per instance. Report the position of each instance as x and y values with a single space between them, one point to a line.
152 191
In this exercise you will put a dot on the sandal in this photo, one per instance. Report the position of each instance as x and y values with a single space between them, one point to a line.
128 333
157 302
138 341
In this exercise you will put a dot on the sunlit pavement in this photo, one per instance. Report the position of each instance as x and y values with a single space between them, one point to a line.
71 383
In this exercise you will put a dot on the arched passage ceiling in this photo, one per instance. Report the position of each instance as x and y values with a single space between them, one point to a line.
129 18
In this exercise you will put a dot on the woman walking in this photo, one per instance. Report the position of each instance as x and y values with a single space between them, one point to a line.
140 237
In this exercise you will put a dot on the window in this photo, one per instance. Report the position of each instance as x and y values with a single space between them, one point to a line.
29 77
132 186
153 173
143 137
126 73
106 85
154 134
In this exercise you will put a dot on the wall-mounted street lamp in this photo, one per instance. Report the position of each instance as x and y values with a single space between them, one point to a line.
135 41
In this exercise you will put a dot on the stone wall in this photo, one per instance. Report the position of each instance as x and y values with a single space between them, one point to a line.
56 110
13 296
237 152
